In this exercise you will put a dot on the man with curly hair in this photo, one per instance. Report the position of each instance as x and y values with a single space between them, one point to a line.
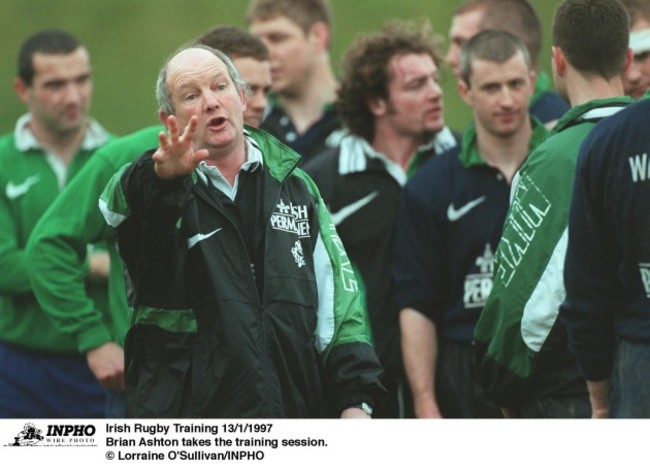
391 103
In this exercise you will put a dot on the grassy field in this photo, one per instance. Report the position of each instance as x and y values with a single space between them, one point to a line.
129 39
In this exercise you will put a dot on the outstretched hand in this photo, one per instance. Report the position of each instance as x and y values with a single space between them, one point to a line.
175 156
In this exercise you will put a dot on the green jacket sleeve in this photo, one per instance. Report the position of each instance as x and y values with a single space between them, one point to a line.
14 279
352 372
57 249
57 258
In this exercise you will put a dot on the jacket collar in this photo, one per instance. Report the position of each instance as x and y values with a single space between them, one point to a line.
593 110
277 157
469 156
355 153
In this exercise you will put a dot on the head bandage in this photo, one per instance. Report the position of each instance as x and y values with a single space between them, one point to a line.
640 41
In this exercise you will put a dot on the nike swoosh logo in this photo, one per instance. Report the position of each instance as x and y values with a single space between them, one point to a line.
197 238
456 214
14 191
345 212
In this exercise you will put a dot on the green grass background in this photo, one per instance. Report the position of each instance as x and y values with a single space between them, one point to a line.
129 39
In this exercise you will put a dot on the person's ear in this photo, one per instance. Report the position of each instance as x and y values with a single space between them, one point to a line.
163 116
377 106
533 79
559 60
21 89
320 33
244 101
465 92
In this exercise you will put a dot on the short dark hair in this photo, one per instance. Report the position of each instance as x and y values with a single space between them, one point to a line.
518 17
366 74
493 46
234 42
593 34
50 42
305 13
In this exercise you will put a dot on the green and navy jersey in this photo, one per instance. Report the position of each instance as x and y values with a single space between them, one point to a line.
57 246
607 269
518 324
449 224
362 189
30 180
214 347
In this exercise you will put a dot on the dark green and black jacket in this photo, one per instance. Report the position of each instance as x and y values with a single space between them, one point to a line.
203 341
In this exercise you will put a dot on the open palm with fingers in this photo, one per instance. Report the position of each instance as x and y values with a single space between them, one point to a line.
176 156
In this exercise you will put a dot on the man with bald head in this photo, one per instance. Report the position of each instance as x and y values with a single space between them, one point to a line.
243 300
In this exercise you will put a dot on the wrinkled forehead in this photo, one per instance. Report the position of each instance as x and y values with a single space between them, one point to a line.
195 62
409 65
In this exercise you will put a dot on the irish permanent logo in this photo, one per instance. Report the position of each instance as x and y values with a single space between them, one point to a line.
56 435
291 218
478 285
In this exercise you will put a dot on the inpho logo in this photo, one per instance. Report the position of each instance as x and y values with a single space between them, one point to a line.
57 435
70 430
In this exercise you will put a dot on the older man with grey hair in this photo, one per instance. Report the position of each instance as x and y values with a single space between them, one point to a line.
243 300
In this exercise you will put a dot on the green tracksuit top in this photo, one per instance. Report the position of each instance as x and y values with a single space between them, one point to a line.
57 247
30 180
517 326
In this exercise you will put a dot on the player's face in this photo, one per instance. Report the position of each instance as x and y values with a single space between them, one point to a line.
60 93
463 27
414 107
499 94
636 78
200 85
292 52
257 73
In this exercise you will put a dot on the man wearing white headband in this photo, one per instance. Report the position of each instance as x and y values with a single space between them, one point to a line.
637 77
